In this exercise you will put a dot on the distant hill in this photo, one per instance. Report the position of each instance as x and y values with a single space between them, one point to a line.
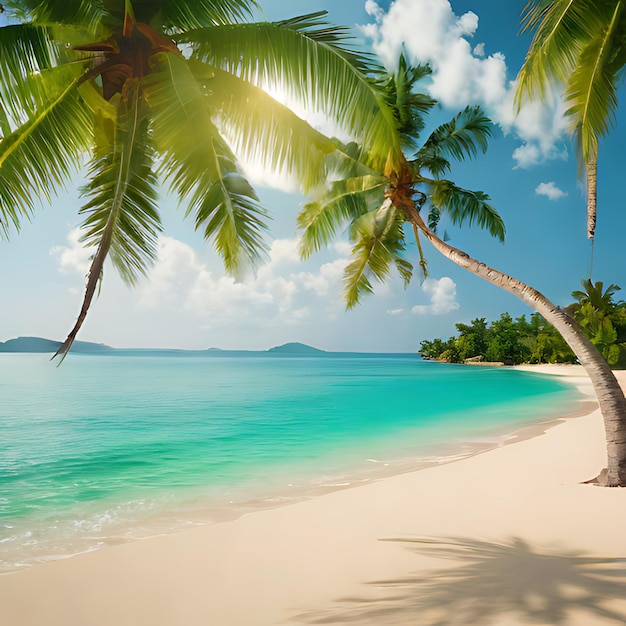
38 344
295 348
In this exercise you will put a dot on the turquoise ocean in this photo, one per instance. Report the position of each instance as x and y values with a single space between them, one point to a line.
108 449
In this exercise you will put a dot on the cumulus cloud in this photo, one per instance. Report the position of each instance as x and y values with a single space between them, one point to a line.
442 294
73 257
550 190
463 74
283 292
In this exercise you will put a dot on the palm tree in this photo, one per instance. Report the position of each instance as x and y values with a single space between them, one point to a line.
138 92
377 202
598 315
596 295
578 44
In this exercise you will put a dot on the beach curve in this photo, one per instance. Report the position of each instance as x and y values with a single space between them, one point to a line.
366 555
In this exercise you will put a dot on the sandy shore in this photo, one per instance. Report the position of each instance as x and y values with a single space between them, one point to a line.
509 536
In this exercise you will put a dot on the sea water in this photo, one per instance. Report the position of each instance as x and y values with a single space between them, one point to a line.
106 449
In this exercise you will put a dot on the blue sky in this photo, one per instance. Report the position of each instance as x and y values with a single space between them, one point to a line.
187 301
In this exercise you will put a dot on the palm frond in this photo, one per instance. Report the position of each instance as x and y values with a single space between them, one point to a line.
463 137
428 158
561 29
24 48
263 130
409 105
121 215
5 123
176 16
308 59
39 157
182 15
23 94
463 206
85 12
379 244
123 193
200 166
345 200
26 51
348 161
592 91
104 115
434 217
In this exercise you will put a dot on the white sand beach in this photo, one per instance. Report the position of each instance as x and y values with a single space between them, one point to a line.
508 536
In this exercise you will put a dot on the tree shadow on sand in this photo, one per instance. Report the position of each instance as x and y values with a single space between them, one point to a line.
489 582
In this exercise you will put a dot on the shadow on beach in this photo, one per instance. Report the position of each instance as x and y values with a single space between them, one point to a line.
489 583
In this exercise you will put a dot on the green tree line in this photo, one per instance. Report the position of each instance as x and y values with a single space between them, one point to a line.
515 341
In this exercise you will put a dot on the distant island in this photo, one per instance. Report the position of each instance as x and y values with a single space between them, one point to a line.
41 345
38 344
291 349
296 348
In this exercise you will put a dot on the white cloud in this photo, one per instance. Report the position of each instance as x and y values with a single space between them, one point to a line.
283 293
442 295
550 190
75 257
463 75
284 251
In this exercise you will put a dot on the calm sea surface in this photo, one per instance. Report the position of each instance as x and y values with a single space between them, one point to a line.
109 448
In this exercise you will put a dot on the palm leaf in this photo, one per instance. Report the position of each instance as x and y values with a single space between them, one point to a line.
307 58
123 192
121 216
592 91
183 15
379 244
40 156
85 12
5 123
200 166
463 137
345 200
32 56
409 105
104 114
463 206
562 28
24 48
428 158
176 16
434 217
262 129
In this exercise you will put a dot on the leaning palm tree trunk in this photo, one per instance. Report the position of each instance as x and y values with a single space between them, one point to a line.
592 177
608 392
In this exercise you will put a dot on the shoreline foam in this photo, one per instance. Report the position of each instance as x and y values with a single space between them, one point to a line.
519 511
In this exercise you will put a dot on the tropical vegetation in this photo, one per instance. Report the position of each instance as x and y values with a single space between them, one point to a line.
411 194
515 341
602 319
136 93
506 341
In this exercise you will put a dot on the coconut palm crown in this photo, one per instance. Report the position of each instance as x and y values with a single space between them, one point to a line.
376 202
578 44
141 93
